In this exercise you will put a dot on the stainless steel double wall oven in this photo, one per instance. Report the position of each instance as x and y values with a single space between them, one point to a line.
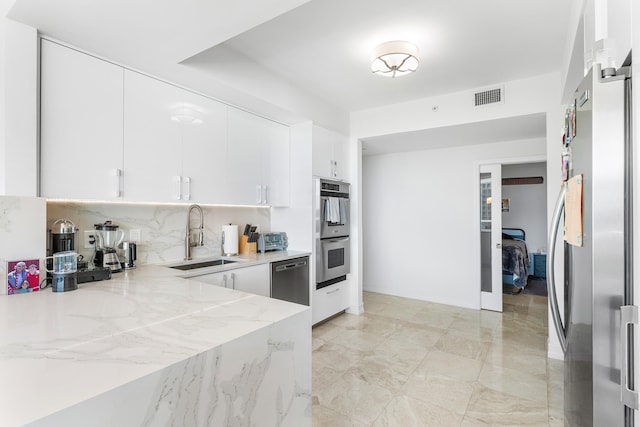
332 231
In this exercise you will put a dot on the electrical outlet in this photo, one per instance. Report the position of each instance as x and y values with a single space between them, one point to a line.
134 235
89 239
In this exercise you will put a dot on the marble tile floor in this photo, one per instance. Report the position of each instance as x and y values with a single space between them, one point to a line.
414 363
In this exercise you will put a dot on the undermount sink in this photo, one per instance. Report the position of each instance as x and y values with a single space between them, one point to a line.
203 264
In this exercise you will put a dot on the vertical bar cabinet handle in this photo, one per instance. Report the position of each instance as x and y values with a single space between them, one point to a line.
187 194
178 187
628 316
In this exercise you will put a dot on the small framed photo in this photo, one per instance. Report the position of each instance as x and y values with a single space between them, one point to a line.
505 205
23 276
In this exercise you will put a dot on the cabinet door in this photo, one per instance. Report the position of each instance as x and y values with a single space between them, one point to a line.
81 125
219 279
254 280
204 142
340 165
245 142
258 153
330 154
322 152
152 154
276 167
175 142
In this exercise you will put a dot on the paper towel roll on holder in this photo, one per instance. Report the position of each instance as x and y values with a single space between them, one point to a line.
229 241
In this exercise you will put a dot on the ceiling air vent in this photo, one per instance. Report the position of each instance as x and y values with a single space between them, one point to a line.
489 96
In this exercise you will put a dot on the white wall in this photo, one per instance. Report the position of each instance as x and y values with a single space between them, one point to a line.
528 204
522 97
20 134
418 221
22 231
539 94
4 7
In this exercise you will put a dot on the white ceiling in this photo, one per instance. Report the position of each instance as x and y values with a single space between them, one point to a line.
324 46
318 49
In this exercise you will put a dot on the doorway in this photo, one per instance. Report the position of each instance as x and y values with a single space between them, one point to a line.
512 194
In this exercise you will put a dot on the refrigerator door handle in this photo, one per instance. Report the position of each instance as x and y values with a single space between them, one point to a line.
628 316
551 279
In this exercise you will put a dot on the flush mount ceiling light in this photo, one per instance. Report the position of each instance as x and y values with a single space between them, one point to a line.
396 58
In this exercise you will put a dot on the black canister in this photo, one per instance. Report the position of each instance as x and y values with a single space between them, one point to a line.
64 282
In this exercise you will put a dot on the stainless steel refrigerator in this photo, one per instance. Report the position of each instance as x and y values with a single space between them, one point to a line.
594 327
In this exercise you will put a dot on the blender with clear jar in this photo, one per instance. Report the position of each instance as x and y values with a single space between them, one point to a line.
108 237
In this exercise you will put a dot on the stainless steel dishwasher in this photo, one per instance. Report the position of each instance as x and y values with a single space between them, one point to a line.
290 280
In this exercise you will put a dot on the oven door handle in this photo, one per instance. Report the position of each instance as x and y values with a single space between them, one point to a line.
328 244
338 240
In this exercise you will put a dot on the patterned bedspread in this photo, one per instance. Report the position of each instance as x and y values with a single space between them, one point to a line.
515 260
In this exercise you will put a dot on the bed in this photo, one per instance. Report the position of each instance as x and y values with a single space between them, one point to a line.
515 257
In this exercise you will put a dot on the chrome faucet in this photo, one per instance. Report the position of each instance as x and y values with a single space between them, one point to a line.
188 242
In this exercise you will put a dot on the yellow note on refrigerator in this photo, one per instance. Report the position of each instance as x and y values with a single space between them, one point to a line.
573 224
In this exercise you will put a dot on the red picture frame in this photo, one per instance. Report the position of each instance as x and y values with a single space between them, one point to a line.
23 276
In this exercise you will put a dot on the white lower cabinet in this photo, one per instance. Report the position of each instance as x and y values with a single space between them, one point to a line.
218 279
254 280
329 301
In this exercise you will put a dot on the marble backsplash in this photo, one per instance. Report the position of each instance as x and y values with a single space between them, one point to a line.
22 231
162 227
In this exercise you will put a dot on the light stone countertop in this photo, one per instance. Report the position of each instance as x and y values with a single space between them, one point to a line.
243 260
59 349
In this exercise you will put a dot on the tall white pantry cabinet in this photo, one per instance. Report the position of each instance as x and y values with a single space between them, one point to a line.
109 133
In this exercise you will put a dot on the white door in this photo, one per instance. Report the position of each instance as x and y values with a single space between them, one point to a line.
491 236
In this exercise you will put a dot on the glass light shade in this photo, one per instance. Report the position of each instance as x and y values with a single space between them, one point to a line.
396 58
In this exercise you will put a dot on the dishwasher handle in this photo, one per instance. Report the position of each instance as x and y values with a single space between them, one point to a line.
291 266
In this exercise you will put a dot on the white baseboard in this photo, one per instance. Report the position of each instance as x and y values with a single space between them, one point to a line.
554 351
358 309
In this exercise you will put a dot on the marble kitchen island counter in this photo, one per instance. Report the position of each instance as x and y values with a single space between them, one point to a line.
149 348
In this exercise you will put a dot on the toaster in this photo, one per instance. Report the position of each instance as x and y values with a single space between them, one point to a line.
273 241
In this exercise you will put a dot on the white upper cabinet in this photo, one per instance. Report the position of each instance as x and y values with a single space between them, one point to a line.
204 146
174 143
258 149
277 170
111 133
330 154
81 125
